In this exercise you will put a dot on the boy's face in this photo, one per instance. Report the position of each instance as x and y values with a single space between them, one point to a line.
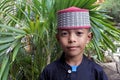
73 42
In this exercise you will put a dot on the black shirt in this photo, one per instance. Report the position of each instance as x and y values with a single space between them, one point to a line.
87 70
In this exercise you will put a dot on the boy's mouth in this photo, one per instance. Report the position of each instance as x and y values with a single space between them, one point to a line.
72 47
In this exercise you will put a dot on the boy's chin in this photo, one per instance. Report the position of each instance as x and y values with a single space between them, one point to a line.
73 54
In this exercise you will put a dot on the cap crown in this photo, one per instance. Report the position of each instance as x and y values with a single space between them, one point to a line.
73 18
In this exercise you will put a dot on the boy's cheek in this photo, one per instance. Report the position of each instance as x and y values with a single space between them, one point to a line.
87 42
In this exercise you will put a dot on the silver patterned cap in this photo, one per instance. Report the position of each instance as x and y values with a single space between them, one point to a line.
73 18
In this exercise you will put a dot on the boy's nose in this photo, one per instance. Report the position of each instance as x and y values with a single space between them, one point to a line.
72 39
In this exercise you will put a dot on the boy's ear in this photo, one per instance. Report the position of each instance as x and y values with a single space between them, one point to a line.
90 36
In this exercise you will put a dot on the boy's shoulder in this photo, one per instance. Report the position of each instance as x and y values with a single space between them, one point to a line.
96 68
93 64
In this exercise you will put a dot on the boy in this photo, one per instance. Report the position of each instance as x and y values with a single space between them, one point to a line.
73 35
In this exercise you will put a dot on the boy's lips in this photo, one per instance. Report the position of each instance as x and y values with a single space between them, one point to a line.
72 47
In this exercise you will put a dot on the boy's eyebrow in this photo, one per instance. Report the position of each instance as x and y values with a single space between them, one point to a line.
61 30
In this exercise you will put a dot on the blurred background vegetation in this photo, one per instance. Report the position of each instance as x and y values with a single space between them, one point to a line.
28 29
112 7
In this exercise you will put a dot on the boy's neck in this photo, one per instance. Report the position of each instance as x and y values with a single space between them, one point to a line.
74 61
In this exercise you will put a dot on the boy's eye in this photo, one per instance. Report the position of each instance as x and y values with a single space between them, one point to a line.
79 33
64 33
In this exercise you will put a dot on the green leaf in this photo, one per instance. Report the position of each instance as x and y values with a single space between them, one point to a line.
79 3
6 40
113 35
4 65
8 33
21 11
89 3
32 25
6 72
19 36
96 32
15 51
4 46
93 7
104 25
96 46
108 42
2 53
13 29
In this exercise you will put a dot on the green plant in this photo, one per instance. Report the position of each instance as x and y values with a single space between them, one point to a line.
112 8
27 35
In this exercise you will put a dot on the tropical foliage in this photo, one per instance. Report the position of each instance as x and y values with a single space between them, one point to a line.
27 35
112 8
